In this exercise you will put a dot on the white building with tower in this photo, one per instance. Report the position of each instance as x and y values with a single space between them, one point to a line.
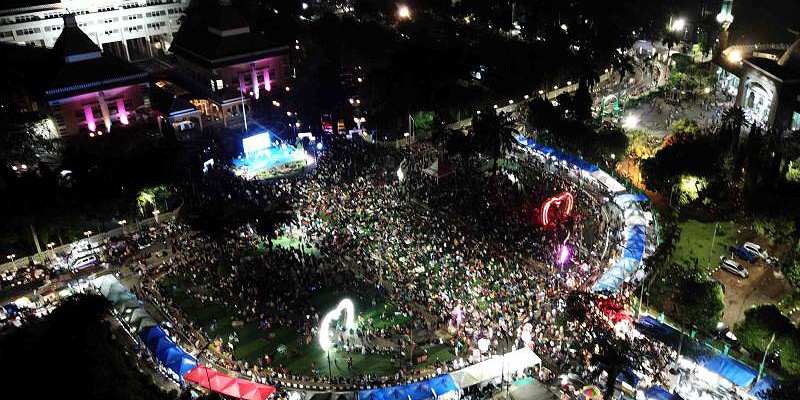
129 29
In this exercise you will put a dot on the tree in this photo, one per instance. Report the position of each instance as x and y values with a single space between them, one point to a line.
494 133
786 390
24 138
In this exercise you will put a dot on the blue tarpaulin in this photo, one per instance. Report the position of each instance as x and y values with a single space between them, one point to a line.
731 369
625 198
664 333
443 384
371 394
657 393
759 389
167 352
422 390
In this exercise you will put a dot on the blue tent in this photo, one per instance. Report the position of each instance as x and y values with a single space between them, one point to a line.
443 384
657 393
162 347
664 333
419 391
395 393
151 335
179 362
630 197
759 389
731 369
630 378
371 394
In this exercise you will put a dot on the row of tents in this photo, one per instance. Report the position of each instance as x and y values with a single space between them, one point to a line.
634 242
174 358
722 365
636 220
449 386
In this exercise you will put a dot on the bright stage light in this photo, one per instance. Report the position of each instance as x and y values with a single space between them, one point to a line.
255 143
345 305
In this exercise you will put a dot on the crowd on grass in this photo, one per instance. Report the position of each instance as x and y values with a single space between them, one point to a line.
462 260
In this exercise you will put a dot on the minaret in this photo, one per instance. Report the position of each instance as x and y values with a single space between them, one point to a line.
725 18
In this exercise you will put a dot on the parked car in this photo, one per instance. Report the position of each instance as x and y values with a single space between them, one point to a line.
84 262
754 249
734 268
743 254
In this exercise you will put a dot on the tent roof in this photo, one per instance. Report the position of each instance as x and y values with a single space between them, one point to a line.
438 169
511 362
230 386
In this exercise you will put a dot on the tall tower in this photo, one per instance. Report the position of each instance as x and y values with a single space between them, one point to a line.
725 16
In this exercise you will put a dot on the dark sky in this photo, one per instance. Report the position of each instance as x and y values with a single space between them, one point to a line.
764 20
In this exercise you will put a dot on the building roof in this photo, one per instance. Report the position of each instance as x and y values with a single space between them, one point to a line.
791 57
219 36
82 66
774 68
73 41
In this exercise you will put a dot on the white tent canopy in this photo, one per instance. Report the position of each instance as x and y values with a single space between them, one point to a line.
512 362
438 170
606 180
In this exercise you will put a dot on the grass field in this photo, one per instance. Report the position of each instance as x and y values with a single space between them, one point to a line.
694 246
294 353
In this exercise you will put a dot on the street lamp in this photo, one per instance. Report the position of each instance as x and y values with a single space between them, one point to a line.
122 223
87 234
678 25
11 257
155 214
50 246
403 11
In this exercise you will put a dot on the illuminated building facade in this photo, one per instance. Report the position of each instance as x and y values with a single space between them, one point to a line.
129 29
226 64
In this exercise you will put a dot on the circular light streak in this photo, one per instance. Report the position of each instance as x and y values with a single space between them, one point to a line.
345 305
565 197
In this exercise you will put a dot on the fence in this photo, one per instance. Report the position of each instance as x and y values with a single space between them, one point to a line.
41 257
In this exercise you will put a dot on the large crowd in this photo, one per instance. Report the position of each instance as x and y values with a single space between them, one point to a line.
453 256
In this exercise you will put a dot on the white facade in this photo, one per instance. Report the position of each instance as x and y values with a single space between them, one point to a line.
131 29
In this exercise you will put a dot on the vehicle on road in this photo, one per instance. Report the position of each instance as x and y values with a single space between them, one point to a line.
733 267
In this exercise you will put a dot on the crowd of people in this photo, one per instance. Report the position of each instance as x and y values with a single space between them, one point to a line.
463 259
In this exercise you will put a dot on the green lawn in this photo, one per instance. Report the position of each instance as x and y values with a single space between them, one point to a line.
299 357
694 246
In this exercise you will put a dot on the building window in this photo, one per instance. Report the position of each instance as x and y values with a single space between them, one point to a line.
795 126
6 34
28 31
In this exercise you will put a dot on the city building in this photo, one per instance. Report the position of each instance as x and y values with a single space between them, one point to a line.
225 64
129 29
764 80
79 88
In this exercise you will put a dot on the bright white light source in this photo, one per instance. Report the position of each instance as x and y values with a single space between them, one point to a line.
305 6
400 174
631 121
678 25
345 305
403 11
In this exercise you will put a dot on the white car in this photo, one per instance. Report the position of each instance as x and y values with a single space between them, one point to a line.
753 249
734 268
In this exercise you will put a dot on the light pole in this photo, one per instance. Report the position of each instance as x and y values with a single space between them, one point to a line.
122 223
764 359
11 257
87 234
155 214
50 246
711 250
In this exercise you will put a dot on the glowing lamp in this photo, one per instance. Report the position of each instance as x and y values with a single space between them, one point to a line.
89 116
563 254
123 114
345 305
